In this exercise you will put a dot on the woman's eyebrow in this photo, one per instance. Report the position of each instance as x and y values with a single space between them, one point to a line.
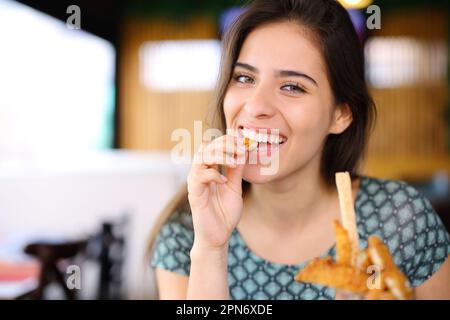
279 73
246 66
291 73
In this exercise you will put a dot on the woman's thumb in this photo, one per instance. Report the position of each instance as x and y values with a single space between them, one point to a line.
235 176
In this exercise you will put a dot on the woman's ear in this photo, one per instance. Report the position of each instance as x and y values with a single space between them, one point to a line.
342 118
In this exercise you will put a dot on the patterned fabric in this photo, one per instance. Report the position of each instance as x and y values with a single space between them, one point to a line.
393 210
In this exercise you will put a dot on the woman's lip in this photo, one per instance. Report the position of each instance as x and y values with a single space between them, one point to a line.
265 149
264 130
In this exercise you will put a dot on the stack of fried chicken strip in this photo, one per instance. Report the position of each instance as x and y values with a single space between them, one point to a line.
368 274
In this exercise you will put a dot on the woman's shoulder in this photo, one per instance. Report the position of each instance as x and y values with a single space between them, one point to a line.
174 242
394 207
376 186
179 224
390 198
182 217
406 221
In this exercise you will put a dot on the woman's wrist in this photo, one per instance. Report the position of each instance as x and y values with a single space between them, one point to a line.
201 251
208 274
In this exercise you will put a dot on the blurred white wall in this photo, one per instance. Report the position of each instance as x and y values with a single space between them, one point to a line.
53 79
69 195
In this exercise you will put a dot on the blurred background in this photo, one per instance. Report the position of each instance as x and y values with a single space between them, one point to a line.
86 118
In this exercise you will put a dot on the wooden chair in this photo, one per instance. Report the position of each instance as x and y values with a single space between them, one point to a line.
49 255
107 248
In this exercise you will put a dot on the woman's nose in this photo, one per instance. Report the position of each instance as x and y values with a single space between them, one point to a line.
260 104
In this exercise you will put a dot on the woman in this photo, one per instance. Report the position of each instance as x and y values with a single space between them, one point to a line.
294 66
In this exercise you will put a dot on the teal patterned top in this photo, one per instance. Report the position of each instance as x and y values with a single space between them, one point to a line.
393 210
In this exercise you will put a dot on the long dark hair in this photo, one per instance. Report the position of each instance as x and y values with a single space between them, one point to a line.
336 38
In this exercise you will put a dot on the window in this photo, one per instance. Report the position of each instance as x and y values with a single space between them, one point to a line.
184 65
57 84
404 61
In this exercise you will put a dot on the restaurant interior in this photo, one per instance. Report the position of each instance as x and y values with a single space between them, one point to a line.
92 92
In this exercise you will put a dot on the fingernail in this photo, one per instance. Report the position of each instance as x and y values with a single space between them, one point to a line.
224 179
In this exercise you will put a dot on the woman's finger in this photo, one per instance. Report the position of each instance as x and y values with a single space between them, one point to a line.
236 174
224 144
222 159
221 151
206 176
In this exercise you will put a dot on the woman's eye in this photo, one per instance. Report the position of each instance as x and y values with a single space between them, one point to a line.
241 78
293 88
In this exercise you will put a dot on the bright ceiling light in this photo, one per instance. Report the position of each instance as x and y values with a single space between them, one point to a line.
355 4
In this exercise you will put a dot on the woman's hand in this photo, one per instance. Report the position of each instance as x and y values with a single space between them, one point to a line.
215 200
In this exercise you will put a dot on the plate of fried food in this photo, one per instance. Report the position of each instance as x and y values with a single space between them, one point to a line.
356 273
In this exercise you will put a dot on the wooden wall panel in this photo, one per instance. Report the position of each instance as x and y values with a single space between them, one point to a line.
411 121
410 138
147 118
425 23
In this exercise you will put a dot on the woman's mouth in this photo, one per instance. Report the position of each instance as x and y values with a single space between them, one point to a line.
262 135
263 140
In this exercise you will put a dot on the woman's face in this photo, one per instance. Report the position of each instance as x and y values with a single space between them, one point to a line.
280 82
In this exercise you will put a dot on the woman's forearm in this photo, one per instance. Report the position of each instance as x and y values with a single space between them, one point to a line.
208 278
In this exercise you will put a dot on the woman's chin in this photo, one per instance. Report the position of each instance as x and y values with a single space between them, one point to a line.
259 174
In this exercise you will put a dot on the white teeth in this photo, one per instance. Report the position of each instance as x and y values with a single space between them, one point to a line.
261 137
272 139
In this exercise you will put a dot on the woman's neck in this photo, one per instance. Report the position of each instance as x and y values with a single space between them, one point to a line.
292 201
